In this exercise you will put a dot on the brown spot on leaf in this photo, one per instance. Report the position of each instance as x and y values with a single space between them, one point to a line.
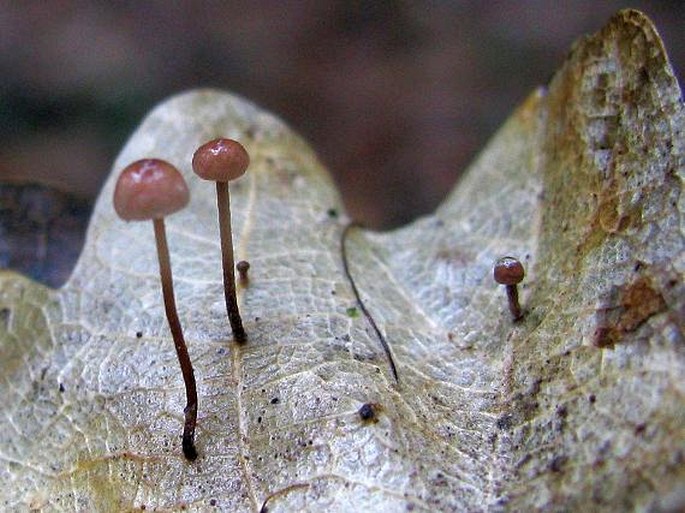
635 304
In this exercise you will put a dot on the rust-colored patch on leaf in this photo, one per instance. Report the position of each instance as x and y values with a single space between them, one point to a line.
636 303
614 214
613 217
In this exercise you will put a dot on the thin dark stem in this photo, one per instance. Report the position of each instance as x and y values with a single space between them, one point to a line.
514 306
282 491
362 306
190 410
223 202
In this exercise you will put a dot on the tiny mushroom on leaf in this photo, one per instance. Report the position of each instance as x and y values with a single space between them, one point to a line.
152 189
243 267
222 160
508 271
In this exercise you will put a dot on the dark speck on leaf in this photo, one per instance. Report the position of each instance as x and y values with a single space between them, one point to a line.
332 213
5 317
505 422
369 412
61 387
139 334
275 400
557 463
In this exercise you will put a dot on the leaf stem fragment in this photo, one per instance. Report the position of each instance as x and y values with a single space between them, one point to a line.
362 306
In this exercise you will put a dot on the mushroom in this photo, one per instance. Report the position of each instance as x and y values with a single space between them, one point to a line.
222 160
509 272
243 267
153 189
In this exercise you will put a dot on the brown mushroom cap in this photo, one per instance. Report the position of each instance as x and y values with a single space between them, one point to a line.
508 271
221 160
149 189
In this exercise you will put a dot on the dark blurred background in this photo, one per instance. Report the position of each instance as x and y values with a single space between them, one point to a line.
396 97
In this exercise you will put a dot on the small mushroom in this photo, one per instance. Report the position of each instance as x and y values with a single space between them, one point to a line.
243 267
222 160
153 189
509 272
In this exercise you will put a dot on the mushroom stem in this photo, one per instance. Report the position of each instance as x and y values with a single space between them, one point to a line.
190 411
223 201
514 306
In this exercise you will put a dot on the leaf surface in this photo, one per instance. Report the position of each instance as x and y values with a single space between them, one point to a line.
578 406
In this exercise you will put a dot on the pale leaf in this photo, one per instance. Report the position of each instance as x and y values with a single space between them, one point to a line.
577 407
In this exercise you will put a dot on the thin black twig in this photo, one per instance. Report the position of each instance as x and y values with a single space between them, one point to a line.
362 306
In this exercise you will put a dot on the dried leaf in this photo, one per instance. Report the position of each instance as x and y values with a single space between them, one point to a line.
577 407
